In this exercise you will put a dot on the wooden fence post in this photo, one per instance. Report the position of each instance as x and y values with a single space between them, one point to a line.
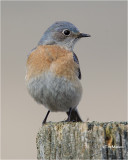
86 140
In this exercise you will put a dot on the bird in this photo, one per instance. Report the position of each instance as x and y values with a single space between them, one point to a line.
53 71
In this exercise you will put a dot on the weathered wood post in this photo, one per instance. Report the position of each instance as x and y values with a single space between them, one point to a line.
89 140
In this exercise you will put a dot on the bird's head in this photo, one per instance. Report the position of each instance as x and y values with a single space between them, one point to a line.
62 33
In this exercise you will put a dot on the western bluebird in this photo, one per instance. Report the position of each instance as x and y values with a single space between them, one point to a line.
53 72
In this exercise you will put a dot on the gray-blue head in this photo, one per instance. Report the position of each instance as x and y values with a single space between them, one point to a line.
62 33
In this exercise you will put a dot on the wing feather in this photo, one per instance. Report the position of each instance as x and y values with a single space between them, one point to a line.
77 61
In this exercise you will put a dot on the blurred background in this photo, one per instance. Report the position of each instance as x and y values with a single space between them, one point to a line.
102 60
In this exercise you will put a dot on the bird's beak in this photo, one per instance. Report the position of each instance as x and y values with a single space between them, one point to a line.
81 35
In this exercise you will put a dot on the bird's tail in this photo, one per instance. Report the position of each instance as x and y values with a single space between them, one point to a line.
74 116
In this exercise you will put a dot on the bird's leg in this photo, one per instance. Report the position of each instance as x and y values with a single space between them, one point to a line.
69 114
44 121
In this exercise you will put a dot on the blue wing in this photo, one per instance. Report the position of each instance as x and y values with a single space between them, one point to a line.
77 61
31 51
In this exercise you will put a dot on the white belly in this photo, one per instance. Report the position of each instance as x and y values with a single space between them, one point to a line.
55 93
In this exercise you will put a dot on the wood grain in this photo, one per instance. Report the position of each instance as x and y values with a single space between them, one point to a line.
90 140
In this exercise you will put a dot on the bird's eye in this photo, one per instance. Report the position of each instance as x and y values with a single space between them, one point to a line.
66 32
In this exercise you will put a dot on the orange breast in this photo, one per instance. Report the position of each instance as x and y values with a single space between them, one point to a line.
51 58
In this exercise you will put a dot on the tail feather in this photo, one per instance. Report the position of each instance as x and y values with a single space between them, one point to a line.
74 116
